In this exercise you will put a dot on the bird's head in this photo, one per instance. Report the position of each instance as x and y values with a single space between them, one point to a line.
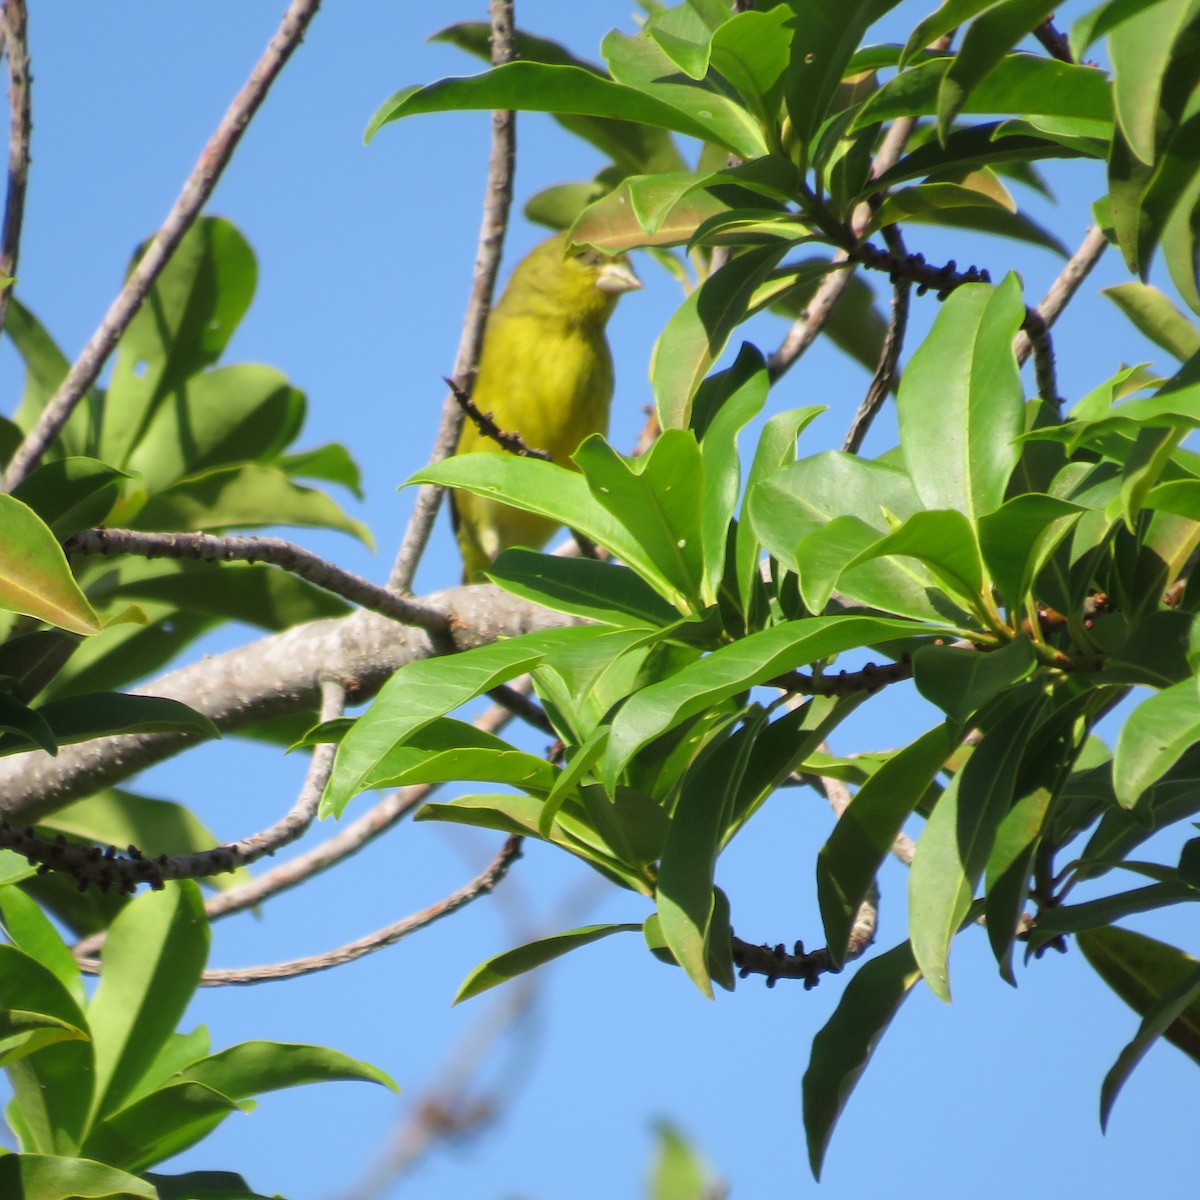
582 286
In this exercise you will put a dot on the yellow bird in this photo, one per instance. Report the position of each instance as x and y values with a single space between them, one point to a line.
546 374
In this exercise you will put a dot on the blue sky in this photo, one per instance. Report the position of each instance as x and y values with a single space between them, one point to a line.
364 262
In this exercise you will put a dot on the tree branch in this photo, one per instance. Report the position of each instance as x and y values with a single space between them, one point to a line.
271 677
196 191
279 553
496 204
20 128
481 885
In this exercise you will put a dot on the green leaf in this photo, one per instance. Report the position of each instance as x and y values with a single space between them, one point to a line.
34 576
1018 539
30 930
697 332
823 41
50 1088
229 415
960 681
570 91
988 39
248 496
162 1124
634 148
202 1185
1141 47
544 488
844 1046
189 316
512 963
252 1068
50 1177
1007 875
150 966
954 847
1142 970
22 727
1154 737
1153 314
422 691
731 669
864 834
961 403
330 462
658 498
600 591
915 203
679 1173
71 494
1180 999
1022 84
685 876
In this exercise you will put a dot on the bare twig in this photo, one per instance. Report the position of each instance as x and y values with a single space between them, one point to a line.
889 357
283 554
1053 41
20 128
196 190
513 442
89 864
809 324
496 204
869 678
481 885
1077 269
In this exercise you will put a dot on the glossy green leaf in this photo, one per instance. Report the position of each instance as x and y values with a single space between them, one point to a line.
988 38
330 462
1176 1002
50 1090
224 416
249 496
162 1124
1007 874
658 498
733 668
512 963
1153 313
696 334
544 488
252 1068
1142 970
724 405
950 14
634 147
53 1177
34 576
954 847
84 717
424 690
961 404
23 728
1018 538
960 681
150 966
844 1046
647 210
31 931
191 313
864 834
573 91
678 1171
1022 84
750 49
70 494
926 199
824 39
1153 738
685 875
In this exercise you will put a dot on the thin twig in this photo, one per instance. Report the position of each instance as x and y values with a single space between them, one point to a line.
809 324
889 356
196 191
1077 269
496 204
91 864
513 442
481 885
1053 41
16 50
286 555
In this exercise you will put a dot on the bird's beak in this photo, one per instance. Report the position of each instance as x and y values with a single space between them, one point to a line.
616 277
